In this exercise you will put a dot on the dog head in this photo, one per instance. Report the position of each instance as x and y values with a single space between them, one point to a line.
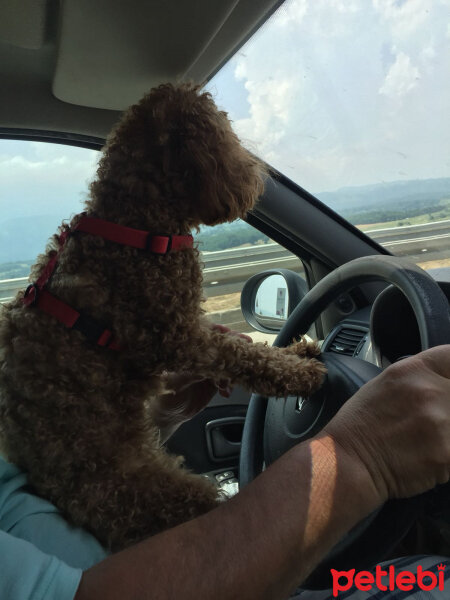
177 146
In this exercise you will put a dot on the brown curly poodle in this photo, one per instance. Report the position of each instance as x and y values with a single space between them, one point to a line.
77 416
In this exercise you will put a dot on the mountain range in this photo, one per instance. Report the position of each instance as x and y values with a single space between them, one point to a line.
386 194
23 238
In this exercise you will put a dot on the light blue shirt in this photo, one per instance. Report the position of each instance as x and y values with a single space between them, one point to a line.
41 555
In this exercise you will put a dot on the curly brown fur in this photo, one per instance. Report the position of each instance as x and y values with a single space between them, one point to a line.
76 416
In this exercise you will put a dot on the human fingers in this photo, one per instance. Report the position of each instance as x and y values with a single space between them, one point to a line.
437 359
187 401
244 336
398 426
176 382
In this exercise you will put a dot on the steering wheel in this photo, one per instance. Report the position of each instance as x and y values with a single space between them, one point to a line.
274 425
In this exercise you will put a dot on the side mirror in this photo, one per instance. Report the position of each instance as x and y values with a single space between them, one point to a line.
268 298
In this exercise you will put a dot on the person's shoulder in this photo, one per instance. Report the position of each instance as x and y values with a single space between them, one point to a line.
28 573
8 470
24 514
12 480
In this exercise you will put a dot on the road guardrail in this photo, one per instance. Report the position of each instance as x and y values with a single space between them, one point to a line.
226 270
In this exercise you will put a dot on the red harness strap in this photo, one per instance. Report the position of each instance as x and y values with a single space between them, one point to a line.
156 244
36 295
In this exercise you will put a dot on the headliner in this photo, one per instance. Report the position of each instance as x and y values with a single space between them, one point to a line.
73 66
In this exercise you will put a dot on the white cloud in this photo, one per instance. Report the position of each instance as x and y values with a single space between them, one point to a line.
49 164
428 53
43 179
401 78
404 17
334 91
344 6
277 93
292 13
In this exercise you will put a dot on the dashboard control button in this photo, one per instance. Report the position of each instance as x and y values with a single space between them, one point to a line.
225 475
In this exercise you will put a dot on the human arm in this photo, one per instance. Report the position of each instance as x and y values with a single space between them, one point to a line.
263 542
258 545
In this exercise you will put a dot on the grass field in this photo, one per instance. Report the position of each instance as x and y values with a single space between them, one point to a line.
435 264
226 302
442 215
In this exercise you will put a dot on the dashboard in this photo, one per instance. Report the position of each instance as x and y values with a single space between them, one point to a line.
382 333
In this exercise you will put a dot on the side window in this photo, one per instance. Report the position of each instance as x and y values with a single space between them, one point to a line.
231 254
42 184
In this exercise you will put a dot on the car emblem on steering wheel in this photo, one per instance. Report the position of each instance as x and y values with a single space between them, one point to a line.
300 402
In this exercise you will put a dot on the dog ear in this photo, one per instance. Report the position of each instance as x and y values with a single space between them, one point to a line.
222 179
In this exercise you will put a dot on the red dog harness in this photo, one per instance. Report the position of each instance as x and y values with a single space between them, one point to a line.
37 295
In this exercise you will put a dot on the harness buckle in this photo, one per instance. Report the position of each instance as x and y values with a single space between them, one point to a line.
149 244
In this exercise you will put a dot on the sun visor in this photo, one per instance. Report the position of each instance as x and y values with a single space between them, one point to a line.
111 52
23 23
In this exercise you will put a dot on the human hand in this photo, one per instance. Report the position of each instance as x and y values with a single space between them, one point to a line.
398 425
185 396
224 329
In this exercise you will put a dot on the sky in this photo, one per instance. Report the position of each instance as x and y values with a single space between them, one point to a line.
345 92
333 93
43 179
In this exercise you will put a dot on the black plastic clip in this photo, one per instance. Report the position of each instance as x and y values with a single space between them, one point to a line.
26 297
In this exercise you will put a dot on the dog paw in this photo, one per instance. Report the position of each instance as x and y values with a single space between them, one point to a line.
316 374
308 378
305 348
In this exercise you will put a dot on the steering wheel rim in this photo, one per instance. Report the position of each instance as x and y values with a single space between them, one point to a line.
429 305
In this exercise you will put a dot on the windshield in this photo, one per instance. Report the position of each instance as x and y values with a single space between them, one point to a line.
349 98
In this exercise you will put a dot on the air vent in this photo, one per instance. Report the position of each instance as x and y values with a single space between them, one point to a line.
347 341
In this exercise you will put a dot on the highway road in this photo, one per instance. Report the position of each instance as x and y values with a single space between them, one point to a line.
419 242
225 271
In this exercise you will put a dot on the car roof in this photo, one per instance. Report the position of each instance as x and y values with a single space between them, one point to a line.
73 66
